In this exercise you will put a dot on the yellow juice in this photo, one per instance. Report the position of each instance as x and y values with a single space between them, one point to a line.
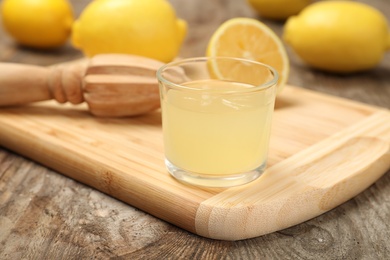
213 129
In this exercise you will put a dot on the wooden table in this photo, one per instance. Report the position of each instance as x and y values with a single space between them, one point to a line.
44 215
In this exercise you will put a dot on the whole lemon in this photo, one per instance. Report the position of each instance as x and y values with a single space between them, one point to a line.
38 23
278 9
147 28
339 36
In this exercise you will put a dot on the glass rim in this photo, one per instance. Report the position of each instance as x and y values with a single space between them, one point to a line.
266 85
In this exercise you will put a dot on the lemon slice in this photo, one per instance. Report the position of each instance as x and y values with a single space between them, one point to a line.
249 39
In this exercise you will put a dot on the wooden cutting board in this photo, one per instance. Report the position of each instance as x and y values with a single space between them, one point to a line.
324 151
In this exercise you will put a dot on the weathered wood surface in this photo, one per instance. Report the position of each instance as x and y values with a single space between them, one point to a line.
44 215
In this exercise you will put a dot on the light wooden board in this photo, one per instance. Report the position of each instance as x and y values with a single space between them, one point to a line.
324 150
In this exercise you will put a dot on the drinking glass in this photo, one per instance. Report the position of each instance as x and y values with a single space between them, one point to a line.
216 119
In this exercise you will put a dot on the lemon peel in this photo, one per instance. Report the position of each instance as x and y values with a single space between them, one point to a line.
147 28
47 24
278 9
339 36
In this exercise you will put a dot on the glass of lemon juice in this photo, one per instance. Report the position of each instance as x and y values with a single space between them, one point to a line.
216 116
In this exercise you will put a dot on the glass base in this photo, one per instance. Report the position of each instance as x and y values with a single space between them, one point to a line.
221 181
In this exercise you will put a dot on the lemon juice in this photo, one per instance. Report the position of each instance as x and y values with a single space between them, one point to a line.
215 127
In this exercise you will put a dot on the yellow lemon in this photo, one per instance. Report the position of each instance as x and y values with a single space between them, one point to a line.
147 28
38 23
250 39
339 36
278 9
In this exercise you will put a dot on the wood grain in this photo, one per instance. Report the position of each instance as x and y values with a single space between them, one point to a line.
44 215
337 148
306 184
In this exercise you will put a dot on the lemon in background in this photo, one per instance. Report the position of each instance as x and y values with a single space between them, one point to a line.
147 28
249 39
278 9
339 36
38 23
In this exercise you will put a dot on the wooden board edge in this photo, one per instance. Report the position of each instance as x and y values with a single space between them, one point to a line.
170 206
253 210
192 220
